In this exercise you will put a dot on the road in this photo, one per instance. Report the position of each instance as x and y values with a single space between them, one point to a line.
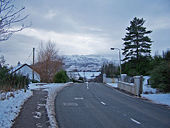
94 105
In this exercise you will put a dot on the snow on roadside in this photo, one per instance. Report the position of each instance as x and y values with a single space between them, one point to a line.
50 106
147 88
151 93
10 106
36 86
11 103
52 90
158 98
115 85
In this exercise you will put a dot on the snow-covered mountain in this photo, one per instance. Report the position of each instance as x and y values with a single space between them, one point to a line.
86 62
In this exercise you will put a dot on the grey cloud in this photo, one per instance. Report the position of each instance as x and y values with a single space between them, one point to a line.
104 19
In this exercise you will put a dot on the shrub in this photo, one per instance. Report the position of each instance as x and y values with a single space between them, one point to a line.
160 77
12 81
61 77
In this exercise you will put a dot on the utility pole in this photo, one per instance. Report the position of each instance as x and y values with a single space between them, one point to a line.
119 61
33 64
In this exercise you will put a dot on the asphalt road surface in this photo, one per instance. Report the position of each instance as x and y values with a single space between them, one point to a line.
93 105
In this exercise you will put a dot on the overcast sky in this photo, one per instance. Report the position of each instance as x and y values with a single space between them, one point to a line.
86 26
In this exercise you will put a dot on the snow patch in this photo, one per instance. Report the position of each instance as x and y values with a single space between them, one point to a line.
39 125
10 106
147 88
37 86
52 92
37 115
115 85
158 98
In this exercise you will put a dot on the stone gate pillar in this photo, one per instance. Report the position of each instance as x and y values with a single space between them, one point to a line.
138 81
104 78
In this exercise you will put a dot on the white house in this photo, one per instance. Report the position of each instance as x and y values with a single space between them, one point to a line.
26 70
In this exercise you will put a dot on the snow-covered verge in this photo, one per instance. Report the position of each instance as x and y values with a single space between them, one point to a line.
10 105
148 90
50 106
158 98
113 85
153 95
52 90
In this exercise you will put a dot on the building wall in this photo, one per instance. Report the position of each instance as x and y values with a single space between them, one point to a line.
27 71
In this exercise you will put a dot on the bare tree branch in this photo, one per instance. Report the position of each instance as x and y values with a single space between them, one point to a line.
10 16
48 62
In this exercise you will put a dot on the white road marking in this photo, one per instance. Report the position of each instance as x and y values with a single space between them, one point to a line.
87 85
103 103
78 98
137 122
70 104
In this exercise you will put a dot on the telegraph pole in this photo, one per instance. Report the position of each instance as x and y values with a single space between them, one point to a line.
119 61
33 64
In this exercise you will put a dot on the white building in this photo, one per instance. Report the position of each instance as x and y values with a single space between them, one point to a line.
26 70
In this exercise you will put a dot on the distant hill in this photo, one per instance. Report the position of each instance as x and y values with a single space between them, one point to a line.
86 62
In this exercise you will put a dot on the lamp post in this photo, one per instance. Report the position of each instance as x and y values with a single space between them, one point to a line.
119 60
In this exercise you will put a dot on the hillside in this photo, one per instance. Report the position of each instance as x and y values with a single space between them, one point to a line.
86 62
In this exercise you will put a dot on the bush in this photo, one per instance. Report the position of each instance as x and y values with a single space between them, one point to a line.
12 81
160 77
61 77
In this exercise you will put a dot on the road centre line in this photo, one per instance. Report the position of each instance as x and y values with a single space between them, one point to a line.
137 122
87 85
103 103
78 98
70 104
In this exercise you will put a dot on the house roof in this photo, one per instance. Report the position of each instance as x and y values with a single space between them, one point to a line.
19 67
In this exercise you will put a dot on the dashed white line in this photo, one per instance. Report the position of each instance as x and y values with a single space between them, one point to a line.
78 98
71 104
87 85
137 122
103 103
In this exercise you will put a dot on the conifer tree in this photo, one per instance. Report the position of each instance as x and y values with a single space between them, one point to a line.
136 41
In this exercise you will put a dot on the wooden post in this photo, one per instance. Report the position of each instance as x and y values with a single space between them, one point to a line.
33 64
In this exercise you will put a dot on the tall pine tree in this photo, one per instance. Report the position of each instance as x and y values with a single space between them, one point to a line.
136 41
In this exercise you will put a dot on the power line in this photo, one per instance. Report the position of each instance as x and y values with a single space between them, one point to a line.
28 58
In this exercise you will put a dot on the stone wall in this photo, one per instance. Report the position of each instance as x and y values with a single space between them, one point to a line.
133 88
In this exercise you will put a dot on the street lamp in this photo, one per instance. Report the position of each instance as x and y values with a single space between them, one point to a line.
119 60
